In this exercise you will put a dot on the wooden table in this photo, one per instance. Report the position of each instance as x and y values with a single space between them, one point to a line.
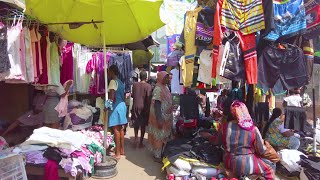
38 170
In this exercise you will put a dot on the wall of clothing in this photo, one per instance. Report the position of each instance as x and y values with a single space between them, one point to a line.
32 55
265 43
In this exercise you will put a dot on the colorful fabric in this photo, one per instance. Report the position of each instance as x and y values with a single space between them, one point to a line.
289 19
313 18
217 38
244 15
240 111
190 48
158 137
274 136
245 147
204 32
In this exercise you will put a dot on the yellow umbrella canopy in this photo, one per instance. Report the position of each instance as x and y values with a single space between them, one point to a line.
83 21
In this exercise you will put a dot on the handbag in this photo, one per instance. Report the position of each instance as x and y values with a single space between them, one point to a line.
270 153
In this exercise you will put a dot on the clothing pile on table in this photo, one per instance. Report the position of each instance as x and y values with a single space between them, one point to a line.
196 157
79 116
75 151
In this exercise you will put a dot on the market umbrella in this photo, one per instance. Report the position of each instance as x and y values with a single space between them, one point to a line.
98 23
82 21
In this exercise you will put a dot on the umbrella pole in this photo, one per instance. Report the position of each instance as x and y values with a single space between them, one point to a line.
105 124
107 168
314 118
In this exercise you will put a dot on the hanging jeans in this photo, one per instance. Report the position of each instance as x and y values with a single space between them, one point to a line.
295 118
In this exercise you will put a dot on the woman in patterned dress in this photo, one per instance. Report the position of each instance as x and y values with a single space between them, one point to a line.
160 117
277 135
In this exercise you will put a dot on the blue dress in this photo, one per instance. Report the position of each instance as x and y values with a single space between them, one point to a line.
118 115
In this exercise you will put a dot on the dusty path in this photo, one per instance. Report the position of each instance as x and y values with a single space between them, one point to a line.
138 164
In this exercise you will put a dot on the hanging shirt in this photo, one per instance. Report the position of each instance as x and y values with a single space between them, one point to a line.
176 88
13 50
186 68
4 57
29 58
205 68
54 65
125 66
67 64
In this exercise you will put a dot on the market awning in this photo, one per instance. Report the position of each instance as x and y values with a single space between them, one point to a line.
125 21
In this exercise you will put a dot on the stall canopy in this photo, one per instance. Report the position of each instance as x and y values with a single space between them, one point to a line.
82 21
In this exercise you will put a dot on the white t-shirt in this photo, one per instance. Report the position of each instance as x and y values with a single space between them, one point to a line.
113 85
205 69
176 88
293 100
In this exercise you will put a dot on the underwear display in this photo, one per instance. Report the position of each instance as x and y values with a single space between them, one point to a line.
281 69
244 15
289 18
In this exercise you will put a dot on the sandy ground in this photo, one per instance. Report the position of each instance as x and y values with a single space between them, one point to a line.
138 164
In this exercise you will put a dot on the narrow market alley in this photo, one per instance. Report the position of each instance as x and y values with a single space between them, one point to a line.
138 164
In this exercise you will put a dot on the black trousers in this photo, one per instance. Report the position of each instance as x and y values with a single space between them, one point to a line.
296 118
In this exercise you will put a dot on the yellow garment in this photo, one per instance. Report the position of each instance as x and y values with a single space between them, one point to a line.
190 28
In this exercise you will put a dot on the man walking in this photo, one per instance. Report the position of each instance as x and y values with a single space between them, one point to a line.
141 94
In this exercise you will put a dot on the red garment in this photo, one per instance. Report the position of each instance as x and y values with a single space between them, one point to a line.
43 79
217 38
248 46
67 64
51 170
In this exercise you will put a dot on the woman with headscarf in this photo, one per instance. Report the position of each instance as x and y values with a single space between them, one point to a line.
161 117
243 144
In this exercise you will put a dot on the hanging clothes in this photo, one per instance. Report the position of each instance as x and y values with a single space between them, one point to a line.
204 32
190 48
176 88
125 66
36 51
313 18
4 56
95 67
82 79
28 55
245 16
290 19
67 63
43 79
13 50
281 69
54 65
205 67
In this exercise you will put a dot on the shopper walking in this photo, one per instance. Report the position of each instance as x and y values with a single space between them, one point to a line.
117 118
161 117
141 94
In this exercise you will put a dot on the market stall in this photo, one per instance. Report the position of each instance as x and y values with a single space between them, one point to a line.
38 61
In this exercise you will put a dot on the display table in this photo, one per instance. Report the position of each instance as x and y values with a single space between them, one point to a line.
38 170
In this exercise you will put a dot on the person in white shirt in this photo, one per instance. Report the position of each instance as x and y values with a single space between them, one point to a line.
294 99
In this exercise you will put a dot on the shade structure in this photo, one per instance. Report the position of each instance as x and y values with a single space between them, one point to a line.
82 21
